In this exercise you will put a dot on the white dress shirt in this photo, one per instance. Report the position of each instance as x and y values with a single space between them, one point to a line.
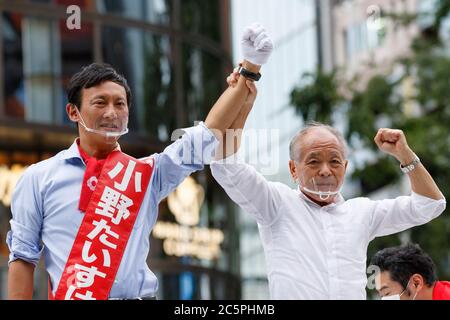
315 252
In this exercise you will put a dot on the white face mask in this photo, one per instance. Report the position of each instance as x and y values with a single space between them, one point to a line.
106 134
323 195
392 297
324 191
397 296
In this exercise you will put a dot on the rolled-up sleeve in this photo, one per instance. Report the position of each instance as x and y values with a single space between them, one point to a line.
186 155
247 188
396 215
24 238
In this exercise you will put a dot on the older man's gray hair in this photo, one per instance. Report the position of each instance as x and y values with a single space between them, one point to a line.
294 147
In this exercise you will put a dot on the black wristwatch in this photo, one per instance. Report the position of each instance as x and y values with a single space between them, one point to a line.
249 75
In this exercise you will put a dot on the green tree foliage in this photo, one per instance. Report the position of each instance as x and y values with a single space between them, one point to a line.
382 103
317 99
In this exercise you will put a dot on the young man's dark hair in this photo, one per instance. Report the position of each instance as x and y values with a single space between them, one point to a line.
91 76
404 261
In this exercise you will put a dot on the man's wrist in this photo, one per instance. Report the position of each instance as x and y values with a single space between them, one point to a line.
251 66
249 75
406 157
410 166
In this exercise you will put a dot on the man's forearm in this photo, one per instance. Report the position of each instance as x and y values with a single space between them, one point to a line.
20 280
421 181
233 136
228 106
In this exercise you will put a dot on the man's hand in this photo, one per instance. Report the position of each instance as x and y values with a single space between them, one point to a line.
233 78
251 97
231 140
232 81
393 142
257 47
256 44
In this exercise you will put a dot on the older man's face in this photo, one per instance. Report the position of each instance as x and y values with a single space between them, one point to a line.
322 163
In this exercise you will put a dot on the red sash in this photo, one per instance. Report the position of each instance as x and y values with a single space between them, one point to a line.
106 227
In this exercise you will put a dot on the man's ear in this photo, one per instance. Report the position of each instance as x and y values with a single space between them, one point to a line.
418 281
293 170
72 112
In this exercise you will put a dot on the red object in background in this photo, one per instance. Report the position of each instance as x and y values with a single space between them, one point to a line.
441 290
16 21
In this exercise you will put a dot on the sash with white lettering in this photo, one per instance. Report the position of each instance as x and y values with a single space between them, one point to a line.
106 227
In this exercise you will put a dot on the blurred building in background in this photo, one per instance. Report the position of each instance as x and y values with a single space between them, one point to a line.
356 34
175 55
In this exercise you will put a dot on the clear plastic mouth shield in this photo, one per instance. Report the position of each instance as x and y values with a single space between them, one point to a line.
110 130
324 187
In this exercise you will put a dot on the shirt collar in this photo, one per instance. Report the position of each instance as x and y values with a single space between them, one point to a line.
73 152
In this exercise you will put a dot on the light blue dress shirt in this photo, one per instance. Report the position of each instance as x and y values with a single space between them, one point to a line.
45 216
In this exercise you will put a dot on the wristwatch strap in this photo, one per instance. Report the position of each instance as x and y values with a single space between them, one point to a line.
411 166
248 74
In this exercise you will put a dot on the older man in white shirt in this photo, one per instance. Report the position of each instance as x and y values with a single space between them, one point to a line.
315 242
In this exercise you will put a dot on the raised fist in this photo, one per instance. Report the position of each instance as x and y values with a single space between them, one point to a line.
256 44
393 142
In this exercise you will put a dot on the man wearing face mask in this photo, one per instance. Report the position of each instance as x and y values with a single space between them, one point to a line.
315 242
408 273
90 209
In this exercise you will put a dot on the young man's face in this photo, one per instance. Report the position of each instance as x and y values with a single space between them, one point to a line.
321 165
386 286
104 108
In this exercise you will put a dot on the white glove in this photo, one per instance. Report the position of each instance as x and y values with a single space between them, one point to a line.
256 44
